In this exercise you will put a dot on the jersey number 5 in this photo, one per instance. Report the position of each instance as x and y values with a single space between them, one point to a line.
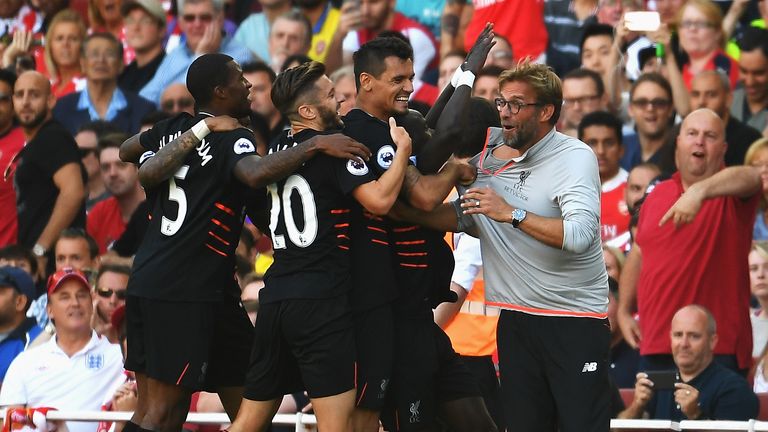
299 238
170 227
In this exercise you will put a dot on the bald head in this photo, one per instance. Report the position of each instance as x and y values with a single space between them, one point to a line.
698 314
705 116
711 89
701 146
32 100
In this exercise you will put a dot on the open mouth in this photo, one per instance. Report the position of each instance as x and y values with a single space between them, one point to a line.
698 154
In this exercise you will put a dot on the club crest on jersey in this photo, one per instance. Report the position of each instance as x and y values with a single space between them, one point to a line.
385 156
244 145
94 361
357 168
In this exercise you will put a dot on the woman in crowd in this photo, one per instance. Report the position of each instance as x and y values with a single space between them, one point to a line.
757 156
106 16
700 29
62 52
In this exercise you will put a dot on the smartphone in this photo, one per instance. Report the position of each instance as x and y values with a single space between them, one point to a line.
642 21
663 380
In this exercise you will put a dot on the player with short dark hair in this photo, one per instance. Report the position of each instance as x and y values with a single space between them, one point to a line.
304 333
187 329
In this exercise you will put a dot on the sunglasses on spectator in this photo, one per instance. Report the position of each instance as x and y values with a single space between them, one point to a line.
654 103
206 18
182 104
121 294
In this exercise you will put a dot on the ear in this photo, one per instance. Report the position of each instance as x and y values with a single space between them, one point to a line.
51 100
366 81
306 112
219 92
546 113
21 302
713 342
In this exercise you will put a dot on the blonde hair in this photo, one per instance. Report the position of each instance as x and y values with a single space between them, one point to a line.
710 10
761 247
617 253
545 83
749 157
65 16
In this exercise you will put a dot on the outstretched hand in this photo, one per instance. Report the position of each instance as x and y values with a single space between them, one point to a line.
479 51
343 147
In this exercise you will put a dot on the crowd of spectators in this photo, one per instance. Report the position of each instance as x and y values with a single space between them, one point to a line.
78 77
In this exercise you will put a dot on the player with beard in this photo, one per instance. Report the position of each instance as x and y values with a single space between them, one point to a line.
304 333
397 338
187 330
49 177
535 207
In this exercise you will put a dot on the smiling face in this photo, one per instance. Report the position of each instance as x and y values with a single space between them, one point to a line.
753 70
389 92
651 108
71 306
700 146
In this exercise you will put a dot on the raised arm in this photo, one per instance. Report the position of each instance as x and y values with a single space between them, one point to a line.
737 181
426 192
379 195
257 172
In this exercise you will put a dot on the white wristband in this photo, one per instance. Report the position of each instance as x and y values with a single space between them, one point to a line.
200 130
455 77
467 78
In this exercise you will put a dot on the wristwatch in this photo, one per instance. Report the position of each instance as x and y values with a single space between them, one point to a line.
38 250
518 215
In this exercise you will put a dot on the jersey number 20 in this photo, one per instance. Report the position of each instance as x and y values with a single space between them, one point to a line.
299 238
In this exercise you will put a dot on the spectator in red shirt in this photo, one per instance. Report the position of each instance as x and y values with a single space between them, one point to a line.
521 22
11 143
683 253
63 43
107 220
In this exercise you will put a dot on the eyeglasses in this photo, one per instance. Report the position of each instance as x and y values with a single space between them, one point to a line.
514 106
205 18
121 294
106 55
653 103
181 104
696 25
580 100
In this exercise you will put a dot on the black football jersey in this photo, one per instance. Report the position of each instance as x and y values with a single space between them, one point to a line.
188 252
420 259
309 225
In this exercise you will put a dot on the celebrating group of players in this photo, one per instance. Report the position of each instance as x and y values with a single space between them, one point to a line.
346 313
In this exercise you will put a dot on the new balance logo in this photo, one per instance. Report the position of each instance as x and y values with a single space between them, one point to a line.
589 367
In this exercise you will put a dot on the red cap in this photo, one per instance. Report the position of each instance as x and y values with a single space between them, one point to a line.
63 275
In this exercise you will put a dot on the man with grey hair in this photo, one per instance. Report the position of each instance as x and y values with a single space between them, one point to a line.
681 257
712 89
704 389
291 34
202 22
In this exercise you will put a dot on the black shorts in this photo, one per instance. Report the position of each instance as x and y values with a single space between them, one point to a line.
302 345
195 345
554 372
427 373
374 333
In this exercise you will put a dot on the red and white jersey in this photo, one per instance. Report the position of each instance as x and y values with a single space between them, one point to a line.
27 19
520 21
425 48
614 214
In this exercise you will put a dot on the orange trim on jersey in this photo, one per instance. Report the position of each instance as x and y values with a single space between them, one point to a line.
225 209
406 229
376 229
218 238
412 253
217 222
343 247
178 382
215 250
414 265
362 393
342 236
548 312
415 242
341 225
482 158
339 211
380 241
